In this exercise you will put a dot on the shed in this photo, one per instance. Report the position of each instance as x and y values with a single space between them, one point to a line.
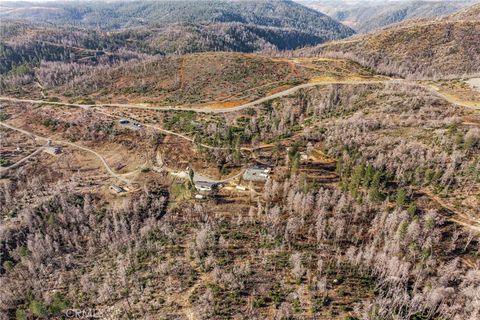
130 124
117 189
53 150
205 186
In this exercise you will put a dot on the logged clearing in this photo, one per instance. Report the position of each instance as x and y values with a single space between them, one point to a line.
209 78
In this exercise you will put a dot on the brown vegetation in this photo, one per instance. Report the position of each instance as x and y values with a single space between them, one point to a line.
371 210
425 49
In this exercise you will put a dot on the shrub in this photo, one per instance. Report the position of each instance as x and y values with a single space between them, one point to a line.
37 308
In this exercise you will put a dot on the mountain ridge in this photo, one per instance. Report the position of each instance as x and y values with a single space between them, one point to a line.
443 47
118 15
367 16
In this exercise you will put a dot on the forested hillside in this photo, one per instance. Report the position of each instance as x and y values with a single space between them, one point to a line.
324 240
442 47
193 160
172 80
57 31
116 15
365 16
171 39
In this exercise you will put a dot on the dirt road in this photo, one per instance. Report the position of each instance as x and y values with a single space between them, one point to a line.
461 218
234 109
199 110
56 103
280 94
196 176
19 162
96 154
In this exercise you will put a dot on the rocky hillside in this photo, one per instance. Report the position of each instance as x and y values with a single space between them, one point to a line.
436 48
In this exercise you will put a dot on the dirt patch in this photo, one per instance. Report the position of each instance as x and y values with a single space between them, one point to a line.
474 83
15 146
223 105
278 89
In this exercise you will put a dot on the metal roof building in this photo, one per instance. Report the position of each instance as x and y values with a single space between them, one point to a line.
205 186
117 189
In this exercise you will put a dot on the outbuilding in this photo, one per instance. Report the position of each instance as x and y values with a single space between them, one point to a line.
130 124
205 186
117 189
53 150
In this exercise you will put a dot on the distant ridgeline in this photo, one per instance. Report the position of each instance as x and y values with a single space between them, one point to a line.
233 25
365 16
443 47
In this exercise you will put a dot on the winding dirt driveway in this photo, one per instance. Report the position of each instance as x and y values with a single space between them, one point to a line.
96 154
19 162
211 110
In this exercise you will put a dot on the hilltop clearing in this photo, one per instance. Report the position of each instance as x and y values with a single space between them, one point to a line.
209 79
